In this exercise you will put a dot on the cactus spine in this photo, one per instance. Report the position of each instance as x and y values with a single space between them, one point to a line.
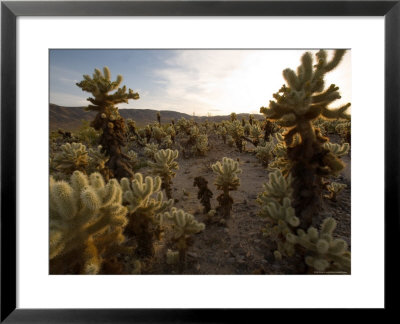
227 179
108 118
294 108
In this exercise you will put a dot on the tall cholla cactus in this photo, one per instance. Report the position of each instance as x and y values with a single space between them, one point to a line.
72 157
294 108
87 220
324 253
227 180
108 118
164 166
145 203
184 225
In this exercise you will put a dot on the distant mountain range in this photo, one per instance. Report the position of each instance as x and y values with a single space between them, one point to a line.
70 118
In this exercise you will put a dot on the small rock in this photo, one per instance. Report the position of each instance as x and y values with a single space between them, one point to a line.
197 267
226 251
226 230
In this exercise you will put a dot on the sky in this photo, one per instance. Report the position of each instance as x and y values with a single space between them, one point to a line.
196 82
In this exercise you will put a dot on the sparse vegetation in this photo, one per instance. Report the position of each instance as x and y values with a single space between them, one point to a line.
131 197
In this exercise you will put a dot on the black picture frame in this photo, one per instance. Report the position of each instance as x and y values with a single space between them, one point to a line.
9 13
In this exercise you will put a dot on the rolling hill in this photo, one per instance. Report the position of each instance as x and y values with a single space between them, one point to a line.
70 118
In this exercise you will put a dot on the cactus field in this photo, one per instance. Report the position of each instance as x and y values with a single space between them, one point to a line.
265 193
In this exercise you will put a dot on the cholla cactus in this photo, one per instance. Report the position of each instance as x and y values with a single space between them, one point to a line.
72 157
221 131
106 94
184 125
184 225
158 134
295 107
265 152
227 180
281 161
97 162
230 141
276 206
145 203
166 142
236 130
150 150
133 159
344 130
87 134
164 166
201 145
171 132
335 188
323 252
255 134
87 220
204 193
337 149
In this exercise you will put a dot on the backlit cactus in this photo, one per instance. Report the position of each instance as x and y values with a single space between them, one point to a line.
323 251
334 189
72 157
295 107
255 134
97 162
221 131
87 220
337 149
145 203
227 180
105 95
158 134
184 225
150 150
164 166
236 130
264 152
276 205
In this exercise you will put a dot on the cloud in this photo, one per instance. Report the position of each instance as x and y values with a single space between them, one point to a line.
227 80
68 100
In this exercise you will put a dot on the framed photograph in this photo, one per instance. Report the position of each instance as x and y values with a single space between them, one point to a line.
197 161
